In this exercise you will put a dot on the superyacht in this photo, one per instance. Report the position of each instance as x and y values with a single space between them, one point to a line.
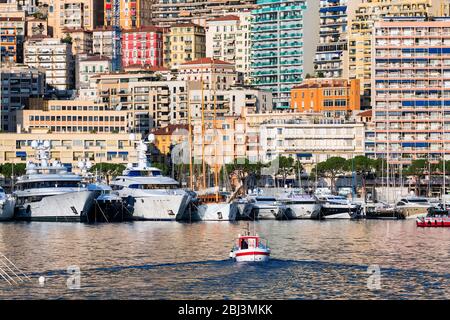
6 206
151 195
49 192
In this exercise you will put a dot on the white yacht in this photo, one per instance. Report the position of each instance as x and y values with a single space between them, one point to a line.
49 192
6 206
151 195
302 206
412 206
336 207
266 208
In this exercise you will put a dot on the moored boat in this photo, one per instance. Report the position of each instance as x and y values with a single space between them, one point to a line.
49 192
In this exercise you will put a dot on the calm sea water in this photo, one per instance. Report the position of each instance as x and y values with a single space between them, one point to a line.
170 260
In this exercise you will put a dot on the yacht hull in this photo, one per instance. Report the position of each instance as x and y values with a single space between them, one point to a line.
160 207
217 212
304 211
336 212
7 209
413 212
64 207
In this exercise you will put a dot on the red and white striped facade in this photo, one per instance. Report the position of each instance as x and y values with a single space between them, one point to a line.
142 46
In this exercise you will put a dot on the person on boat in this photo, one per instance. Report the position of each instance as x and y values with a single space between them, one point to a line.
244 244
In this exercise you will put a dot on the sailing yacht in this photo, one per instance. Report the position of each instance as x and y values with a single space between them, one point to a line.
6 206
49 192
151 195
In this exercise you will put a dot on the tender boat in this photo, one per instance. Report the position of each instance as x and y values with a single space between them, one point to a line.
302 206
250 248
49 192
436 217
336 207
151 195
6 206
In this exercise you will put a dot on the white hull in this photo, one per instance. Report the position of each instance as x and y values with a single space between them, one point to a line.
304 211
251 255
414 212
147 206
217 212
7 209
72 206
343 215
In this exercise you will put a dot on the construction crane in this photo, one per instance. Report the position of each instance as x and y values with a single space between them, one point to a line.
116 37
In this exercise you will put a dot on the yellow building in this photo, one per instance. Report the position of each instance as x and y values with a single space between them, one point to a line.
69 148
183 43
73 14
66 116
332 97
170 135
360 26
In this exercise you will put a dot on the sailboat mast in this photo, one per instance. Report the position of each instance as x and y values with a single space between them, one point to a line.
203 132
191 173
216 167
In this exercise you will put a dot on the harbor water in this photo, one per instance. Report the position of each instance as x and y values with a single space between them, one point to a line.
170 260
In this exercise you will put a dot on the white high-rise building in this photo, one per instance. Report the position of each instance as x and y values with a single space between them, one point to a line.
228 39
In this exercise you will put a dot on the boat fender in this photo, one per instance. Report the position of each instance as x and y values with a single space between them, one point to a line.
28 210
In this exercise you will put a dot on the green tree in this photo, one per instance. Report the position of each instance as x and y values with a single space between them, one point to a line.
9 169
245 171
163 167
417 169
331 168
107 170
67 39
362 166
286 167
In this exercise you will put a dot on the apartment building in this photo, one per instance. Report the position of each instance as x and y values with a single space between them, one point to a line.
279 50
69 147
360 27
18 84
133 13
142 46
145 98
411 89
53 56
311 141
233 101
73 14
168 136
102 38
221 140
80 39
331 60
228 39
87 66
331 97
182 43
12 33
214 74
168 12
73 116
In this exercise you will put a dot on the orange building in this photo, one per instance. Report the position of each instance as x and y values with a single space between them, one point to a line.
333 97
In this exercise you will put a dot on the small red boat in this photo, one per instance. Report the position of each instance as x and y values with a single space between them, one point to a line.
435 218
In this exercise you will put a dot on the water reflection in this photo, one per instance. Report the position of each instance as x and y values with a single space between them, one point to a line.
161 260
